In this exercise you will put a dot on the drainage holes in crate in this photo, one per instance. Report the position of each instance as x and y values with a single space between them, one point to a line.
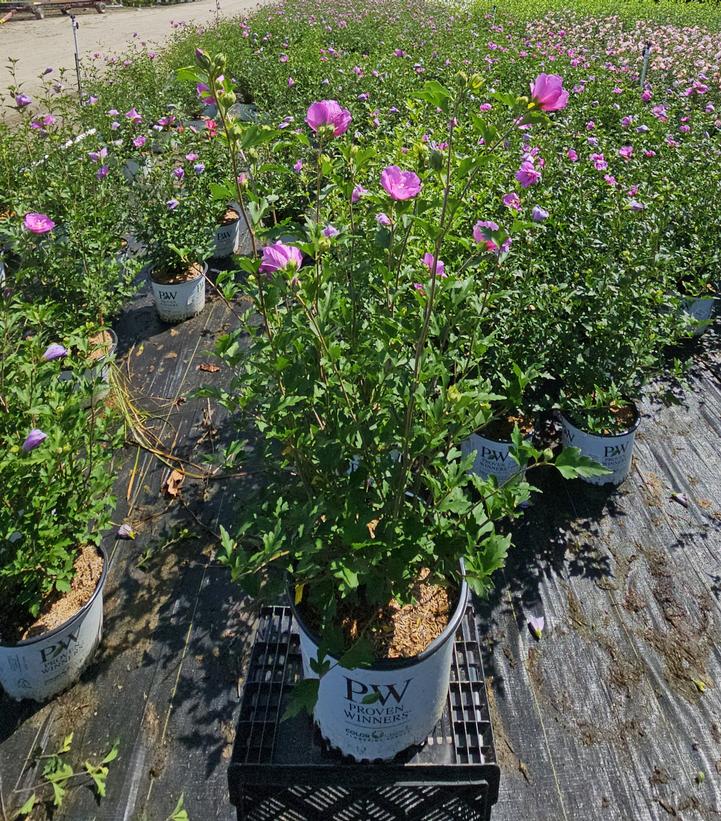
467 700
257 740
260 699
469 666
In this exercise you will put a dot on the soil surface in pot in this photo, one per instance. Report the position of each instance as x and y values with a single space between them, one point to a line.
501 428
88 569
229 217
100 345
395 631
623 418
173 277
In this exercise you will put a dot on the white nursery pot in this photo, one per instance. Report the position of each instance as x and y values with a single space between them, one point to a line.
41 667
700 309
233 238
181 300
492 457
412 694
613 452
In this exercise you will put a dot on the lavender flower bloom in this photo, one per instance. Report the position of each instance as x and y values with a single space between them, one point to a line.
536 625
125 531
33 439
358 192
54 351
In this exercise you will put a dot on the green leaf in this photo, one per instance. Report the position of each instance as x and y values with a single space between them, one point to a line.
58 793
99 776
27 807
435 94
303 698
255 135
359 655
179 813
370 698
572 464
113 754
221 191
189 74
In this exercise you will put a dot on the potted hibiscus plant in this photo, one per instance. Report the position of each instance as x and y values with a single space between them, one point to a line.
56 502
368 515
510 415
688 253
67 238
175 223
693 269
604 349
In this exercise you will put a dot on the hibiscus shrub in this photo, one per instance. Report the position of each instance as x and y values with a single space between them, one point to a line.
363 374
54 459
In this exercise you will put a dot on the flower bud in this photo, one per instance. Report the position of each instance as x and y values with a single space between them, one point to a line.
202 59
476 82
436 160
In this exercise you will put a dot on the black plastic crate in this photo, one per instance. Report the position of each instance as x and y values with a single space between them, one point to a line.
282 770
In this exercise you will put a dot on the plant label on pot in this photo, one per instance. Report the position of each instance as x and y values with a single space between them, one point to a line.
39 668
614 452
492 457
232 237
701 310
179 300
376 712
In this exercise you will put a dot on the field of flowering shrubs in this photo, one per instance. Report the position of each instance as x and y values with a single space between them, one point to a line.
607 220
459 221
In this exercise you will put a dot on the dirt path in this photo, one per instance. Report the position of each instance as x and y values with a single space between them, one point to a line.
39 44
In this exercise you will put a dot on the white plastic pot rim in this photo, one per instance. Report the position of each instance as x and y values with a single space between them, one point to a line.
400 663
76 616
631 429
184 282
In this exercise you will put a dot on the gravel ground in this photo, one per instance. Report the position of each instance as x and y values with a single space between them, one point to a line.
42 43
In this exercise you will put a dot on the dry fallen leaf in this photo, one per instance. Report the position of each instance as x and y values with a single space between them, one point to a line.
208 367
171 486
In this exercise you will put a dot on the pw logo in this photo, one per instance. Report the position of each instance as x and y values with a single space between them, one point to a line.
615 450
358 689
57 649
168 295
491 455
